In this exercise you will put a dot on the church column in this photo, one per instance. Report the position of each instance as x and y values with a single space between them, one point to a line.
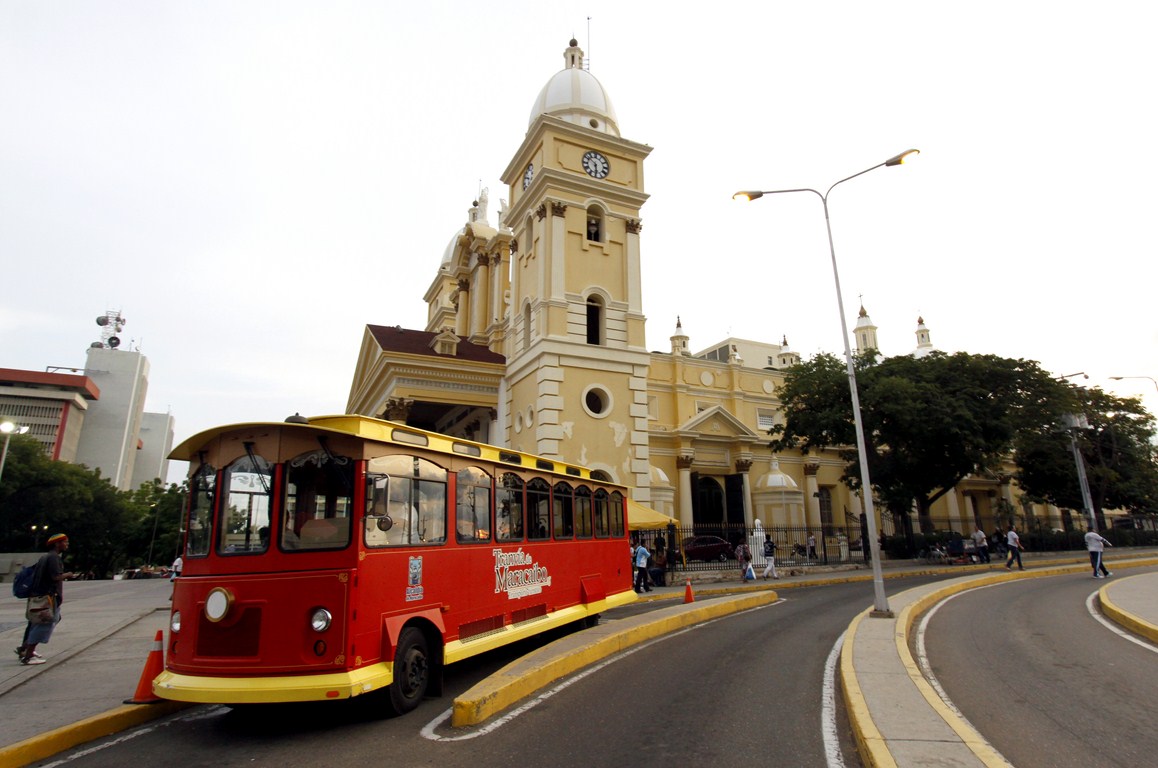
811 496
955 520
743 466
970 507
558 256
684 465
478 307
496 314
462 318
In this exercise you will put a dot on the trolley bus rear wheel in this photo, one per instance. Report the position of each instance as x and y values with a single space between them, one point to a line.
411 671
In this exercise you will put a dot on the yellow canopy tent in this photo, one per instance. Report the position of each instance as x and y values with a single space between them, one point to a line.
641 518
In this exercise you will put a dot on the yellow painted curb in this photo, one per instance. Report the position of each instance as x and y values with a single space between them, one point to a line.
56 741
870 744
873 748
538 669
1129 621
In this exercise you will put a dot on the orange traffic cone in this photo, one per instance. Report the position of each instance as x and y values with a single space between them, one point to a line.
688 596
154 665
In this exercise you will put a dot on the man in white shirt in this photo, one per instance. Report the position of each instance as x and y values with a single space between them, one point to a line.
1095 544
1013 541
981 545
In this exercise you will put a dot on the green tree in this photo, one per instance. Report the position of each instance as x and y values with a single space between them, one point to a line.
1117 449
929 422
109 529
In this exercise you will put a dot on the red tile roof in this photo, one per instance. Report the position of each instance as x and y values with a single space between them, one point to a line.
398 339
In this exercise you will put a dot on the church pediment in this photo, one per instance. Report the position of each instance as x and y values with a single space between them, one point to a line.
717 422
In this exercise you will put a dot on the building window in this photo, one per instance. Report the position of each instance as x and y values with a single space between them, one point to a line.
824 497
597 401
595 225
595 316
765 418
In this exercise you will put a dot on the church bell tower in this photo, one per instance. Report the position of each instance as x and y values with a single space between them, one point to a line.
576 380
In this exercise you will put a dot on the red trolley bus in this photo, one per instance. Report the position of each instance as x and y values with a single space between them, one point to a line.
331 557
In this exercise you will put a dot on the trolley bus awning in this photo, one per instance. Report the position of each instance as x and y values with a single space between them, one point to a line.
641 518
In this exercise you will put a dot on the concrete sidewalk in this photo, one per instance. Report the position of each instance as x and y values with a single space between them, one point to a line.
98 652
896 715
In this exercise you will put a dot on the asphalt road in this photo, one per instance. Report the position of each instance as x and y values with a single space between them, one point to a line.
1041 679
745 688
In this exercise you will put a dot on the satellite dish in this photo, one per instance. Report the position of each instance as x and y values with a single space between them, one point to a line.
102 320
96 345
114 342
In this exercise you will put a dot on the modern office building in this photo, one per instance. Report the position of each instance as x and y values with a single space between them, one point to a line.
96 417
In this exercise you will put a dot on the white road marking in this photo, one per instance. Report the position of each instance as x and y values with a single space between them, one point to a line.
927 670
141 731
1091 606
832 754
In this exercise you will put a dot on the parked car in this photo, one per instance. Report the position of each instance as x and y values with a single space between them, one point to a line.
708 548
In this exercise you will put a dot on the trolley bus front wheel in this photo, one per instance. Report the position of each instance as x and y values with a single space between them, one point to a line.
411 671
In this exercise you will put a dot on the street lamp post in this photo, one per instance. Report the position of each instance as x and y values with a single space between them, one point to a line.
1151 379
8 428
1074 422
881 603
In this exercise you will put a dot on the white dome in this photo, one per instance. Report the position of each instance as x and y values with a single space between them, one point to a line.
448 254
573 94
776 479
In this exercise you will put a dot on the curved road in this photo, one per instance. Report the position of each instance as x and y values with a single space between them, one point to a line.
1042 679
746 688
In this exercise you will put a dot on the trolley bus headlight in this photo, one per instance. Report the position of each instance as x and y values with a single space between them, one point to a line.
217 604
175 622
321 620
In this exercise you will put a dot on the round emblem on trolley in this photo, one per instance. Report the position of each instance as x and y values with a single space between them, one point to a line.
217 604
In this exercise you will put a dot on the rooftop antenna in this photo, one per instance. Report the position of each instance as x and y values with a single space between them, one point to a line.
587 61
111 323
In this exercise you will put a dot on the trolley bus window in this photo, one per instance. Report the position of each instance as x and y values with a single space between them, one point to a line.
318 502
617 514
247 484
602 514
408 506
509 508
583 512
564 511
538 509
204 483
473 516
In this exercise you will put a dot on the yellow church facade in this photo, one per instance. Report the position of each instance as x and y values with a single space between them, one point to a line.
535 340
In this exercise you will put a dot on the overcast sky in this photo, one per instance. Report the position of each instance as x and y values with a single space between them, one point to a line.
251 183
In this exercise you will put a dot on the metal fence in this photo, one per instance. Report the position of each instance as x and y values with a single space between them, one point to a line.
713 547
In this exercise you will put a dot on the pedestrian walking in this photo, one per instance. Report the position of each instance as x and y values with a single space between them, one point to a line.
769 558
812 546
981 545
744 557
1013 543
1096 544
641 558
43 610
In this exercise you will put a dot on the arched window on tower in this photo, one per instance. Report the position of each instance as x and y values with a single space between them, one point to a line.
526 327
595 225
595 320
